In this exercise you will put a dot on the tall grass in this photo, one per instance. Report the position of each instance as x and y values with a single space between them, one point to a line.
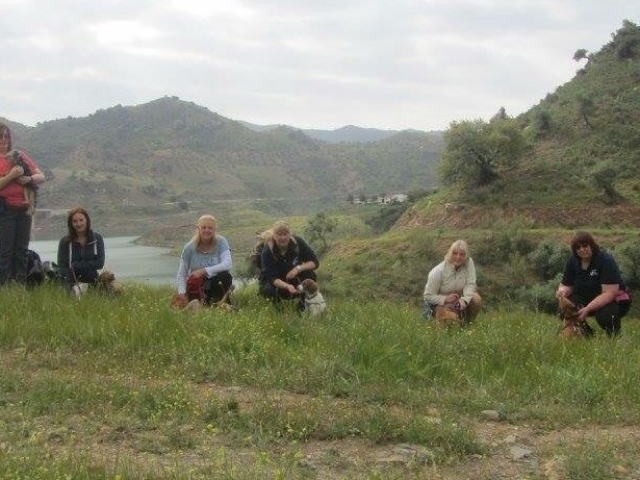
115 387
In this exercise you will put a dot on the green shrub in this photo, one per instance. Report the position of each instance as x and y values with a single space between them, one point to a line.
628 257
386 217
540 297
500 247
548 259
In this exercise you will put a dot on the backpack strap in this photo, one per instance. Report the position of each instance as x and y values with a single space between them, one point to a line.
295 243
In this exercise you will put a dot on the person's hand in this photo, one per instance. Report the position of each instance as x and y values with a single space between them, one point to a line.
461 304
582 314
201 272
451 298
16 171
291 289
24 179
293 273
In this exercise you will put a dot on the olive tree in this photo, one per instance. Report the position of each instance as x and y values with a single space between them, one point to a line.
476 150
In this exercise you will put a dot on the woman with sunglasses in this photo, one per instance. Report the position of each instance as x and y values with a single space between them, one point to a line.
15 210
592 280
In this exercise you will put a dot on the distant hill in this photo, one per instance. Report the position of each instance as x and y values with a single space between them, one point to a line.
170 150
347 134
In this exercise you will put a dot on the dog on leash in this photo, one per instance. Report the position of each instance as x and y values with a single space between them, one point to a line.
447 316
108 284
180 302
30 190
314 302
572 326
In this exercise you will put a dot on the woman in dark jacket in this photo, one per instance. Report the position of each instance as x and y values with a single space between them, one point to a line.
286 261
592 280
81 251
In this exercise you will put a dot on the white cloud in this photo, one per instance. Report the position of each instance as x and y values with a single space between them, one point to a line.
321 64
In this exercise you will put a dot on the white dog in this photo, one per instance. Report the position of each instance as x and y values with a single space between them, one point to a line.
314 302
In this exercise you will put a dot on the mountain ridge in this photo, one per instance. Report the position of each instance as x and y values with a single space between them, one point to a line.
173 150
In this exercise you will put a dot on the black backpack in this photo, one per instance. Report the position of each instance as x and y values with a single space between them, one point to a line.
35 269
51 271
255 257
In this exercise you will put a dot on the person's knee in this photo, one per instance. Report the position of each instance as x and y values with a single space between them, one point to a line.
267 290
217 287
474 307
608 318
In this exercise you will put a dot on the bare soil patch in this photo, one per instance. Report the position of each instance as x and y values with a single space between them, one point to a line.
513 450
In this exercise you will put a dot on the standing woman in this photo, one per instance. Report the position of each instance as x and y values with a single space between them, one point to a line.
205 262
15 218
592 280
81 250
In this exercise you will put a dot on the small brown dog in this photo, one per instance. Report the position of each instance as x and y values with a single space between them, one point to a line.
108 284
447 316
572 326
314 302
179 302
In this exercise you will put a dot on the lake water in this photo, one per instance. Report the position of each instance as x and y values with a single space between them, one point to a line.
127 260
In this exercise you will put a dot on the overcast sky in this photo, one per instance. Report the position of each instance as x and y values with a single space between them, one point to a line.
307 63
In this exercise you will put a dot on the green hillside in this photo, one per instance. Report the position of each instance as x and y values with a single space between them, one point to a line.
580 147
517 188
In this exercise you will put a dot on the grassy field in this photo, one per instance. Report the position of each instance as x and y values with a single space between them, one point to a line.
127 388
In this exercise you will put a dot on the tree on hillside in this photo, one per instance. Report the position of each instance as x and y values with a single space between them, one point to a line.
627 40
541 122
580 54
475 151
604 178
586 108
501 115
317 229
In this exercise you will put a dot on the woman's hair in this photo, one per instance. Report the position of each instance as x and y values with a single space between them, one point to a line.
72 235
266 236
281 227
457 245
196 239
5 129
584 238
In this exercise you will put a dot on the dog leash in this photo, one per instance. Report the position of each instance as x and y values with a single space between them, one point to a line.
76 284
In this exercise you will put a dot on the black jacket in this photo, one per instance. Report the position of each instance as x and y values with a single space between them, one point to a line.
78 263
276 265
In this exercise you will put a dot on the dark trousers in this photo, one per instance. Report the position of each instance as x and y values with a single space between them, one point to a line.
267 289
216 287
609 316
86 275
15 230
